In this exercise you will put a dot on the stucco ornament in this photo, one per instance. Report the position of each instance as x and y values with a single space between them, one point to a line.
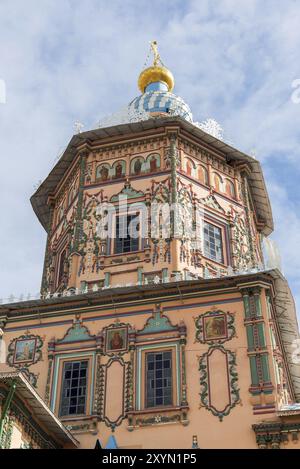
24 351
232 398
214 327
240 245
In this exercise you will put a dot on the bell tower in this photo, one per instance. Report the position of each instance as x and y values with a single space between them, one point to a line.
148 202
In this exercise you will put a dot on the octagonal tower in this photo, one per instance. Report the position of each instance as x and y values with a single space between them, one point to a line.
222 207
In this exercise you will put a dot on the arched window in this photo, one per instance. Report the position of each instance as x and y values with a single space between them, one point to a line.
203 175
189 168
72 192
60 212
119 169
102 172
61 267
153 161
230 190
218 182
137 165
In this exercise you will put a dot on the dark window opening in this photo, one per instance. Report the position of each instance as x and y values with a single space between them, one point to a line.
213 242
127 228
159 379
74 387
61 269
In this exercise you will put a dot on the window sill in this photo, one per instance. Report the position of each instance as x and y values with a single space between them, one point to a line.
157 416
124 254
70 418
218 264
78 424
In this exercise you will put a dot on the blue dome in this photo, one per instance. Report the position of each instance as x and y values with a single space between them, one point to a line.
161 102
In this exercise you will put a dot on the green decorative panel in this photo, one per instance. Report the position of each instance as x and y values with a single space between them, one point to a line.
260 372
261 334
255 336
221 363
252 304
76 333
258 305
246 305
253 369
250 337
158 323
265 367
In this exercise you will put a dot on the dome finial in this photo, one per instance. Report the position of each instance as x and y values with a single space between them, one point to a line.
157 77
156 56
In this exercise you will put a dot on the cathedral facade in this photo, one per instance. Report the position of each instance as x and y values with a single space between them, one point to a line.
159 324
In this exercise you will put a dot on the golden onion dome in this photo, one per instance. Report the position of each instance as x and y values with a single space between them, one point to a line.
156 73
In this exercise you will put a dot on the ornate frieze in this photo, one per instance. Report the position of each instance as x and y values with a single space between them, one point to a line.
205 156
155 418
20 414
82 428
121 150
271 435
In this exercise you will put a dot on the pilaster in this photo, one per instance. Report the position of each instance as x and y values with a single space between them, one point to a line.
261 387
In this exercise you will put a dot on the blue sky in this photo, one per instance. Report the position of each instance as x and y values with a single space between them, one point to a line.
79 60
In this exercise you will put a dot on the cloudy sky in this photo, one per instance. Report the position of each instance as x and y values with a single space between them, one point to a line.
68 60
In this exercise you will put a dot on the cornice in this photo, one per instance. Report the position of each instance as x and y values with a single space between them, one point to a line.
127 297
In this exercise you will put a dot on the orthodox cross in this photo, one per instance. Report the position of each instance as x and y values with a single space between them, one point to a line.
78 126
157 59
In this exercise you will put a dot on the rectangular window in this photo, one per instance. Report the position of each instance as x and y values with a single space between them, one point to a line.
159 379
213 242
74 388
127 238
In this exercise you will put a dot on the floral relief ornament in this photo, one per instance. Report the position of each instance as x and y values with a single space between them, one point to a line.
234 391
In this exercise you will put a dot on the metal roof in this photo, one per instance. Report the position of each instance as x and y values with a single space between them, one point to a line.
287 321
256 178
40 410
